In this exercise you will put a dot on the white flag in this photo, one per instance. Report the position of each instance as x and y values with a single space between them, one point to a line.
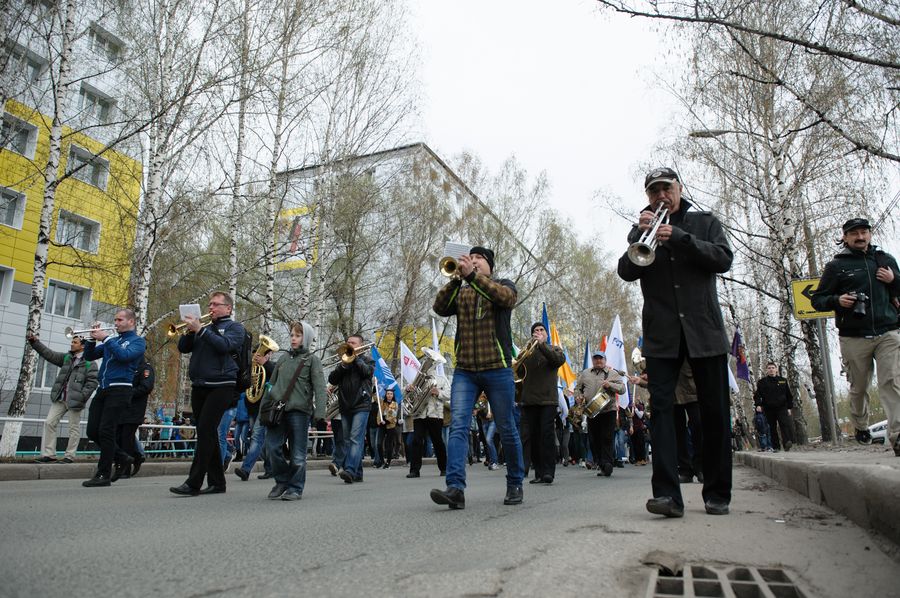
732 383
409 365
439 370
615 356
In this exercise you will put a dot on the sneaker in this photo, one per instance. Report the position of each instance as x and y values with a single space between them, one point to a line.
277 491
291 495
227 463
45 460
241 473
493 467
863 437
333 469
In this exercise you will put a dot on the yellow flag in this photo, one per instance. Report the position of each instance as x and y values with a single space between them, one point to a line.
565 372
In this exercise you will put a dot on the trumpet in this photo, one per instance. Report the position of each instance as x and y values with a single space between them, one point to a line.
521 357
643 251
346 354
182 329
72 333
449 267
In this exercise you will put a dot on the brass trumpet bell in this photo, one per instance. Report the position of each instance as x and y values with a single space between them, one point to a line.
449 267
182 329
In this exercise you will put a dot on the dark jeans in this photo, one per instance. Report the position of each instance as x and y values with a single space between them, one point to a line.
690 447
294 428
391 443
209 405
602 433
103 423
127 442
539 439
778 416
711 378
339 452
432 427
639 445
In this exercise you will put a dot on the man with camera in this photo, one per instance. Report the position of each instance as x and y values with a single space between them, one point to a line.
862 285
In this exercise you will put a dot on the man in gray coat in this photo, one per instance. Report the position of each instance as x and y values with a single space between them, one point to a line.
682 320
74 385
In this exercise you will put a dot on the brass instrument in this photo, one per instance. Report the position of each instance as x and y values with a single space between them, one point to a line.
417 398
575 414
521 357
182 329
449 267
346 354
333 405
643 251
258 372
637 358
72 333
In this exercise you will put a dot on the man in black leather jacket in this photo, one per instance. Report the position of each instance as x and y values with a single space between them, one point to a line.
354 382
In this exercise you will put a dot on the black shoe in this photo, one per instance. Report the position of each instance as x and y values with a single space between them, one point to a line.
357 480
241 473
68 460
413 474
121 471
536 481
96 481
277 492
665 505
513 495
787 445
333 469
700 477
620 464
45 460
213 490
346 476
443 473
685 478
863 437
136 466
264 476
291 495
455 498
606 469
547 479
184 490
715 507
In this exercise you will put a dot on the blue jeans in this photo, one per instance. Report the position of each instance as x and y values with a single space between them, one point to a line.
498 384
489 431
295 427
227 418
257 444
339 454
621 439
375 436
241 433
354 431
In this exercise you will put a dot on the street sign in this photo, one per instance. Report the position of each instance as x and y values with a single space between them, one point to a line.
802 290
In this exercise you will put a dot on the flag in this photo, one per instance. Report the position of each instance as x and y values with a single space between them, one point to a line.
409 365
385 377
603 343
565 371
546 322
740 355
587 355
615 356
732 383
439 370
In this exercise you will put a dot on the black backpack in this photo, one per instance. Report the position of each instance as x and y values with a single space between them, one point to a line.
243 359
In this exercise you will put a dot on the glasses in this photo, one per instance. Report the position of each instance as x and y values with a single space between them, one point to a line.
214 304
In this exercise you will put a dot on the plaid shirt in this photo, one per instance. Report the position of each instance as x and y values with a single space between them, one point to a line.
482 308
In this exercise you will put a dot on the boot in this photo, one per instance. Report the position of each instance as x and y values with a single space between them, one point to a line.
455 498
513 496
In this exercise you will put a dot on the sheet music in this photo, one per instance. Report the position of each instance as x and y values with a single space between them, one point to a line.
455 249
189 309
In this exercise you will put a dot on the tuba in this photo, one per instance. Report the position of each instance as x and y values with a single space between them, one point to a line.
258 372
418 396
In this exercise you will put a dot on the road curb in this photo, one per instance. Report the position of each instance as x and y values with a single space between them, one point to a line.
865 494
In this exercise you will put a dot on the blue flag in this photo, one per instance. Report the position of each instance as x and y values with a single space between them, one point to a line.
546 321
384 377
587 355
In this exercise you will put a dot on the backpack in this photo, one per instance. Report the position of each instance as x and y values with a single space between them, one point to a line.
243 359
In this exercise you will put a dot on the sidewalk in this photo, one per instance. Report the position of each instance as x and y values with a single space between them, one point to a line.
860 482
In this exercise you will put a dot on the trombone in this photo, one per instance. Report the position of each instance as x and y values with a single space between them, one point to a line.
346 354
182 329
72 333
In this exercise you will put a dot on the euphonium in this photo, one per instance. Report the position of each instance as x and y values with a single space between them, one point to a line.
181 329
332 406
643 251
258 372
423 383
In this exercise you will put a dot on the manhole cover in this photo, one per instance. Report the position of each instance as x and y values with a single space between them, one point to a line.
727 581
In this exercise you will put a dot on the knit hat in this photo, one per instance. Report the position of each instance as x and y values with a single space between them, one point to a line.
535 325
486 253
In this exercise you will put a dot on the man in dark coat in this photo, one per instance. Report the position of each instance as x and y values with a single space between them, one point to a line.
682 320
774 400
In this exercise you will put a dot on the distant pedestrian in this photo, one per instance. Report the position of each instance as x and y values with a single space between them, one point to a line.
774 400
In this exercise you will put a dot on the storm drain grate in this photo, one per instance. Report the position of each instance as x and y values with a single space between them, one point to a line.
727 581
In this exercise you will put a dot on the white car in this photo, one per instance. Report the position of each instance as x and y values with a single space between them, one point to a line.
879 432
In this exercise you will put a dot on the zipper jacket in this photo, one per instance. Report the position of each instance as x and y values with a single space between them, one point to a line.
211 350
121 355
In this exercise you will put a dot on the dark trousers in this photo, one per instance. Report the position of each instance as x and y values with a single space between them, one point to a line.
639 445
602 435
539 439
711 378
103 422
779 416
127 442
690 447
432 427
209 405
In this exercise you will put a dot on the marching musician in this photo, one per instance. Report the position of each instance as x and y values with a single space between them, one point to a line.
257 430
601 429
430 420
213 372
482 305
354 382
540 403
337 437
121 355
682 321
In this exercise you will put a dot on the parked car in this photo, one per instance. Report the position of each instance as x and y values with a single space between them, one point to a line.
879 432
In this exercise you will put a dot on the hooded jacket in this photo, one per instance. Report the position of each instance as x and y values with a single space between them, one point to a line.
853 271
82 381
211 352
308 394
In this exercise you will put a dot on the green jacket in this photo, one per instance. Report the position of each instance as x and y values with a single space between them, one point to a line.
308 395
82 382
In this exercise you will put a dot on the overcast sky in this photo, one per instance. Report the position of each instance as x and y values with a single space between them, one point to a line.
563 87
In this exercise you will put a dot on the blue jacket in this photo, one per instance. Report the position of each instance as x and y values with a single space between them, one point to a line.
211 352
121 355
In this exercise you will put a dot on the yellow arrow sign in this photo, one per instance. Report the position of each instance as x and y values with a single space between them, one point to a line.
802 290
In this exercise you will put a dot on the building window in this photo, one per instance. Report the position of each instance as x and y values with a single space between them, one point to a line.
64 300
94 105
6 283
104 44
77 231
45 374
18 135
26 62
88 168
12 207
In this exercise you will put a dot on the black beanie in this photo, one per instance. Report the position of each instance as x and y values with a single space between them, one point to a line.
486 254
541 324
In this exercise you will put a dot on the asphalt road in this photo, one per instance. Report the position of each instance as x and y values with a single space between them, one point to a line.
584 535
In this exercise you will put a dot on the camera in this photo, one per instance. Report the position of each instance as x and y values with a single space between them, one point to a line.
859 307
